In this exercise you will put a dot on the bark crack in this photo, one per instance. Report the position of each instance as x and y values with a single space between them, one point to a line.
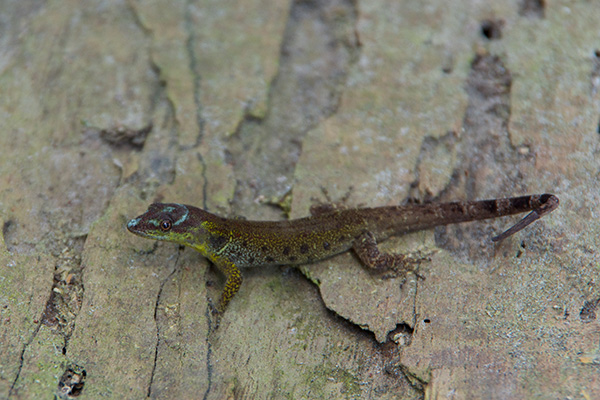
157 305
197 78
318 48
190 44
12 391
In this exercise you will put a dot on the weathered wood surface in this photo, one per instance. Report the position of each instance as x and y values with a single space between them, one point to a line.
106 106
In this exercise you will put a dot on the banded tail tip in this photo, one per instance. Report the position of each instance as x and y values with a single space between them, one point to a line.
548 203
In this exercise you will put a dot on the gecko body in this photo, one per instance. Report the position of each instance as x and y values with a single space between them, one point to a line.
231 244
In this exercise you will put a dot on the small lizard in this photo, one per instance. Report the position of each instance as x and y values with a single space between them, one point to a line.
234 243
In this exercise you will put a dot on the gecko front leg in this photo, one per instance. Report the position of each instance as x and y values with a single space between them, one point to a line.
233 282
365 247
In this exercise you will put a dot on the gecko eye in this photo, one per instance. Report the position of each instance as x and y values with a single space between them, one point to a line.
165 225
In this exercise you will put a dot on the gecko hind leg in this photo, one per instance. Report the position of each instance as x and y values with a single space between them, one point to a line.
365 247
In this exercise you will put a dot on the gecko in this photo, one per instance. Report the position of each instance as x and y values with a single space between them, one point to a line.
234 243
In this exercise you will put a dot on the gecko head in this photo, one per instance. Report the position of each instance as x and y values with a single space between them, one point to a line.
164 221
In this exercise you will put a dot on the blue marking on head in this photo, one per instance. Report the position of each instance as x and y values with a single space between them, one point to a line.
132 223
183 217
168 209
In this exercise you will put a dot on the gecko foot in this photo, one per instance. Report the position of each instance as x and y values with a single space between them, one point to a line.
319 207
365 247
322 208
402 264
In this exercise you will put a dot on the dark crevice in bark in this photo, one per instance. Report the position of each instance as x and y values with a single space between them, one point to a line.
588 311
488 157
66 295
491 29
190 46
71 382
12 391
194 68
158 326
318 49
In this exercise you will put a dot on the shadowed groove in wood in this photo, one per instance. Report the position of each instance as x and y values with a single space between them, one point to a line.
318 49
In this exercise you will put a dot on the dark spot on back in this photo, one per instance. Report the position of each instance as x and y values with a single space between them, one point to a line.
521 202
342 239
491 206
304 248
455 208
286 250
270 259
326 245
264 249
217 241
251 260
293 259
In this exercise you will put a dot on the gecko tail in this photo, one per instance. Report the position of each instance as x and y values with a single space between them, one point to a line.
549 204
